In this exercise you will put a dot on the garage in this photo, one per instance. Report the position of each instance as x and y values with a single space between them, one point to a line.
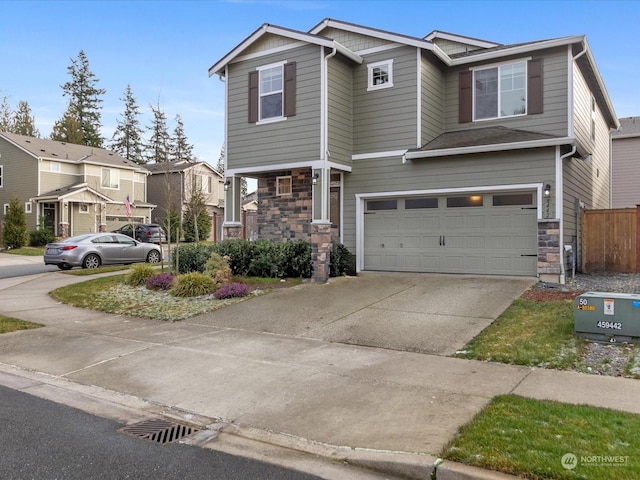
480 233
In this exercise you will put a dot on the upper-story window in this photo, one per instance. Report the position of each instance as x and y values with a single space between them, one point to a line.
380 75
272 92
593 118
1 176
500 91
110 178
54 167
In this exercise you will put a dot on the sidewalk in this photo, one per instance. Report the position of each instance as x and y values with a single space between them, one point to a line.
388 410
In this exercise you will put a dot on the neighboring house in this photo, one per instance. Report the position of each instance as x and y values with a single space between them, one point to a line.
625 164
74 188
174 183
442 154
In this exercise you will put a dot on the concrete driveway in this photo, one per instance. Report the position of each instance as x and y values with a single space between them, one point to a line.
425 313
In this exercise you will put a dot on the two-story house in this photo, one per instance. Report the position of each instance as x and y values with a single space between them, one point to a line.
625 164
442 154
74 188
173 185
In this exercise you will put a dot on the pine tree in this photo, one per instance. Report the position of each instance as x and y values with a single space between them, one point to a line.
84 100
24 123
158 146
6 116
179 148
14 233
67 129
127 139
220 168
221 158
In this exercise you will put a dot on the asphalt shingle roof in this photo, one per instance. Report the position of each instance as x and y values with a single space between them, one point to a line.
628 126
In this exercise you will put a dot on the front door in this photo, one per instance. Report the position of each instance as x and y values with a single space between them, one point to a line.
49 214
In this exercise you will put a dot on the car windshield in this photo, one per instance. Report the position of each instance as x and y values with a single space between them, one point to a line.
76 239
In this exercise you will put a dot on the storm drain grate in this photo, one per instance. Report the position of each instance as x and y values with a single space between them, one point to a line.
159 431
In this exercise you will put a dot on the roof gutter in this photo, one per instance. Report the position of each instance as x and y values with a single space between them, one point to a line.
496 147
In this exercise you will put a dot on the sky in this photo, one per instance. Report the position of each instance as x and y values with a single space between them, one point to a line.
164 48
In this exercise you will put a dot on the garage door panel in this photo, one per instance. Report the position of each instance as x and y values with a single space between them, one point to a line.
483 239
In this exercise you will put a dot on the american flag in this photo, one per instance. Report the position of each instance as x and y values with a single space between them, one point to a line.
127 206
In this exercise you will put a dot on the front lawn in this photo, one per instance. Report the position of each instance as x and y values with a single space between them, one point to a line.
549 440
9 324
27 251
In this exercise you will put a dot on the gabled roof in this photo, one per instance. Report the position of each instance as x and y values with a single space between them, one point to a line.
218 67
372 32
454 37
487 139
67 152
177 166
629 127
71 190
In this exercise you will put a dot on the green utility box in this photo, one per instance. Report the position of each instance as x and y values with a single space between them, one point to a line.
607 317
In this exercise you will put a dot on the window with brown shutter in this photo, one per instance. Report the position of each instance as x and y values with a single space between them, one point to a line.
290 89
253 96
272 92
465 97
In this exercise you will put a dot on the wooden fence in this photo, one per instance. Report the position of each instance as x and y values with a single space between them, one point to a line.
609 240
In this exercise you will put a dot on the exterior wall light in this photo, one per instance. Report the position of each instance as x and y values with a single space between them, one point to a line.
314 179
547 190
227 182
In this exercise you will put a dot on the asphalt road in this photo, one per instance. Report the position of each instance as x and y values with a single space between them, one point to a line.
46 440
9 271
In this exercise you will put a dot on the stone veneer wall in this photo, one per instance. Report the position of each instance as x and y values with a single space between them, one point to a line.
286 217
549 254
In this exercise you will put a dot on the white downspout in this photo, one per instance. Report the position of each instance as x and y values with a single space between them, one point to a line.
559 207
325 135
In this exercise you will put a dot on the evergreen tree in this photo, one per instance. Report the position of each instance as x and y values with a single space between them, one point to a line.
67 129
127 139
24 123
179 148
220 168
221 158
6 116
158 146
14 233
84 100
197 222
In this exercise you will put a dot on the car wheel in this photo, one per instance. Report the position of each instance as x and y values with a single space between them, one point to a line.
65 266
153 256
91 261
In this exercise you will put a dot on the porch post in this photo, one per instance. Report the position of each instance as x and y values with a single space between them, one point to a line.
64 219
232 226
321 238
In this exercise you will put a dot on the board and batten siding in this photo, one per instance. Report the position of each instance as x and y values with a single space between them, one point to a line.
625 172
296 139
386 119
355 42
432 98
84 222
19 179
340 111
553 120
479 170
128 186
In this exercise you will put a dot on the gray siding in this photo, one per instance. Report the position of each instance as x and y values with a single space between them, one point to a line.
296 139
386 119
432 98
553 121
390 175
450 47
50 181
340 108
354 41
19 179
625 172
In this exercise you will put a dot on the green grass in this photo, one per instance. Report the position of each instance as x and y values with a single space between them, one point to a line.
530 333
28 251
9 324
528 437
84 295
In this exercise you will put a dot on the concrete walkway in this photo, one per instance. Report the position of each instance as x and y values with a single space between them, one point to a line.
271 371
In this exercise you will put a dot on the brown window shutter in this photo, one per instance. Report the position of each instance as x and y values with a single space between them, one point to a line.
465 97
535 99
253 96
290 89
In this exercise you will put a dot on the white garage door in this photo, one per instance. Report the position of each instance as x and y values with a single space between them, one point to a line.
482 234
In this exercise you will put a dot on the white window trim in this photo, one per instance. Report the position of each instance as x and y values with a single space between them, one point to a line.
1 176
6 208
498 66
28 208
85 205
282 194
112 170
270 119
370 67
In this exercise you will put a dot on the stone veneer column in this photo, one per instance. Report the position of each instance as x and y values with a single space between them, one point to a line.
64 229
321 245
549 254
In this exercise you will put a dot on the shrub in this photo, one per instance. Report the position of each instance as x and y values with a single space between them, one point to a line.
341 261
189 229
39 238
218 268
160 281
295 258
264 259
192 257
139 274
14 233
239 254
192 284
231 290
